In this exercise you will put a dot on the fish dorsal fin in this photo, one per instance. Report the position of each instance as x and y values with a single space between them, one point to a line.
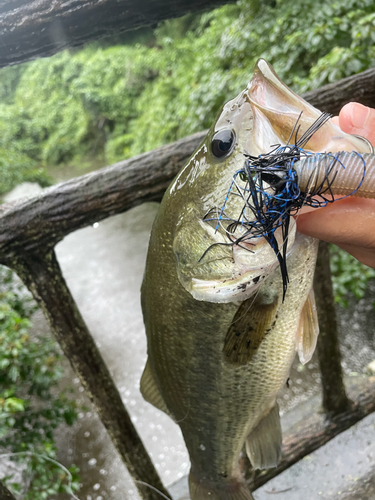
263 445
253 320
308 330
150 390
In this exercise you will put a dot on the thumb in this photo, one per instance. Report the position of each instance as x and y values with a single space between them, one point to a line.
357 119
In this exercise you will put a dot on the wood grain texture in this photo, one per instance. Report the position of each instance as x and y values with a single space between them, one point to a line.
43 221
332 97
39 28
31 228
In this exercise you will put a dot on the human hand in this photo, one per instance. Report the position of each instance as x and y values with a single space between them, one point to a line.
349 223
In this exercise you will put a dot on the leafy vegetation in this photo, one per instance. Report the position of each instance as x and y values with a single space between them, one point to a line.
113 101
30 409
349 276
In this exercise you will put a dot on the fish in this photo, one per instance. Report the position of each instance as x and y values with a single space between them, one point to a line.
221 335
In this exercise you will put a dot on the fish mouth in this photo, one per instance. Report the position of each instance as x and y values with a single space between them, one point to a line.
268 92
236 289
273 101
254 261
278 117
277 109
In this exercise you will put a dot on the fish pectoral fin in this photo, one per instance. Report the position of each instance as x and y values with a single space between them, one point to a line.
263 444
251 323
308 330
150 390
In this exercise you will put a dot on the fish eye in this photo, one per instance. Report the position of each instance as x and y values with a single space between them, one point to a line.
222 143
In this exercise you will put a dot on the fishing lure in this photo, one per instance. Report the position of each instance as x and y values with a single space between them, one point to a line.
276 185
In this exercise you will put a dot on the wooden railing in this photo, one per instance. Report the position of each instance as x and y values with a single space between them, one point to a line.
30 230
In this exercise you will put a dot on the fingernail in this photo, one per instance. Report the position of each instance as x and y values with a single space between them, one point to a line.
359 115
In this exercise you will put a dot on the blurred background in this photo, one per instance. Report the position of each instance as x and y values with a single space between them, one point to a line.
107 101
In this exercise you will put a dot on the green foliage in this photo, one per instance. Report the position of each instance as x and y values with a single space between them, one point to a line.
310 43
30 411
16 167
117 101
63 106
349 276
10 77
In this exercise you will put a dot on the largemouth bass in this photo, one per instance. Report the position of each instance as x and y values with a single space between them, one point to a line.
221 339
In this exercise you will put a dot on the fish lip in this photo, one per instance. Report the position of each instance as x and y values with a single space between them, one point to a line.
235 289
273 100
248 278
265 79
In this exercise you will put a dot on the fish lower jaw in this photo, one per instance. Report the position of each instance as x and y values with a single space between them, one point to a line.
235 289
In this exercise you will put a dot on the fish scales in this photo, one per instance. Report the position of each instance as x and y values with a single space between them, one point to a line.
221 339
216 404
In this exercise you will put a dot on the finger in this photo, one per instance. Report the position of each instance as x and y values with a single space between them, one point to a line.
364 255
336 120
346 222
357 119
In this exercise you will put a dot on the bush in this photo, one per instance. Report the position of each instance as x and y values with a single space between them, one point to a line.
349 276
30 411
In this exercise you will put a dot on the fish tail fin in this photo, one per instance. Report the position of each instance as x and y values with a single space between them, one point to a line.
203 489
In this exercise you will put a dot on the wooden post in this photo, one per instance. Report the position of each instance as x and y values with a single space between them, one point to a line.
39 28
30 229
41 273
5 494
335 399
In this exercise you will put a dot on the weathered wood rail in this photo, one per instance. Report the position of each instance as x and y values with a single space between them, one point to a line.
39 28
30 229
